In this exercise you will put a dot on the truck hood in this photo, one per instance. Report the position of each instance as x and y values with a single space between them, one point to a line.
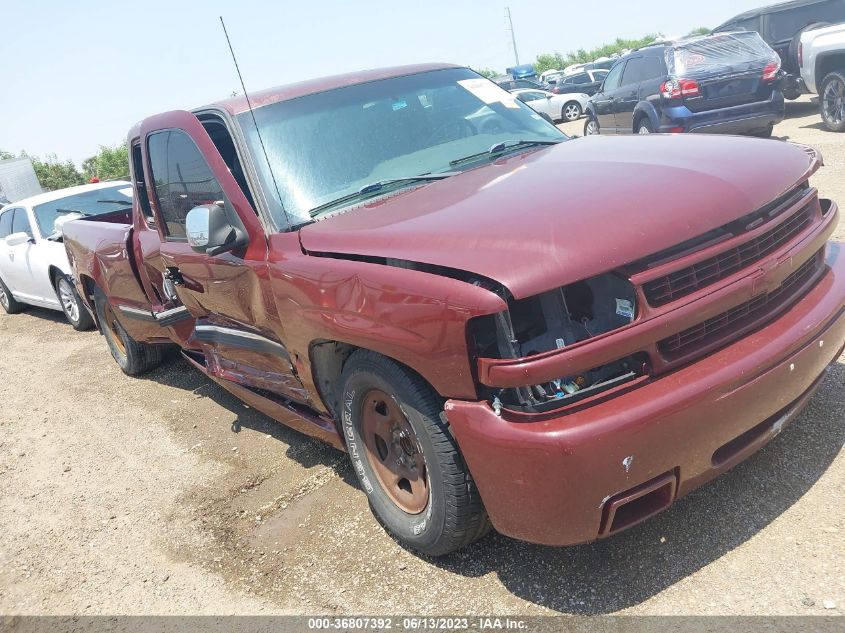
546 218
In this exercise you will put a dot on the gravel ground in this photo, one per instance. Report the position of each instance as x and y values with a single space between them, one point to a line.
165 494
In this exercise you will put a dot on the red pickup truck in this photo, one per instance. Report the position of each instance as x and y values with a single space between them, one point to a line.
373 260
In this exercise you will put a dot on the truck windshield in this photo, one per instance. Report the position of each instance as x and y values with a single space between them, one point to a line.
88 203
329 145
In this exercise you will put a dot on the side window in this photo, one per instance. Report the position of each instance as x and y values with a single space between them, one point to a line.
611 82
219 134
141 193
653 68
581 78
20 223
633 72
525 97
6 223
182 179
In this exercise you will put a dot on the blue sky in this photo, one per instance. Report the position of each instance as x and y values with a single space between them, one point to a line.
75 75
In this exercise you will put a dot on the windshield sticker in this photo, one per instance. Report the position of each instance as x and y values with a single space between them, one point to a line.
398 105
488 92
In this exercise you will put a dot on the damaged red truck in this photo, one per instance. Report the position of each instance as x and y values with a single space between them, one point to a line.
373 259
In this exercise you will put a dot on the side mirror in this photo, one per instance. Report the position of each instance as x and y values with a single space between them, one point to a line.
209 231
16 239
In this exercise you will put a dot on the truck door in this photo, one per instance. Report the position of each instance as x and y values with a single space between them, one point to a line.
236 323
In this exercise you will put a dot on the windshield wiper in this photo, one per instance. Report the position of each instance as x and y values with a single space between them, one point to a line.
500 147
127 203
376 186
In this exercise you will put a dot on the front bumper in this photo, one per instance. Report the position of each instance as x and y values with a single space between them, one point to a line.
569 479
741 119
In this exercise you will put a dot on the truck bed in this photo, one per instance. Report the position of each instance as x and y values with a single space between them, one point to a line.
100 253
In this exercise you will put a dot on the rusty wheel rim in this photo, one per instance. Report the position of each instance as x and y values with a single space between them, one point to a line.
111 328
394 452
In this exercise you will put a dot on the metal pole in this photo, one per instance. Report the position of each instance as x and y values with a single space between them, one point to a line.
513 37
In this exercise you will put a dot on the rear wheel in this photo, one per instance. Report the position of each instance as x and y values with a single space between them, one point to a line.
9 303
131 356
571 111
832 101
591 126
765 132
644 126
405 458
75 311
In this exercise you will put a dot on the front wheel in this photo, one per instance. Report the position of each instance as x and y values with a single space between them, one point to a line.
75 311
832 101
131 356
571 111
591 126
405 458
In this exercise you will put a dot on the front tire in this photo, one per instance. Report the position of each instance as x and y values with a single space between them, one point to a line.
571 111
832 101
75 311
405 458
131 356
9 303
591 126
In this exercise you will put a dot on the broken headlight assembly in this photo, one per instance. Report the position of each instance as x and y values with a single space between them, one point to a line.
555 320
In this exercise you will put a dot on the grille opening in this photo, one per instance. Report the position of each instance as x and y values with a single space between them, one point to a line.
726 231
721 327
638 504
687 280
826 205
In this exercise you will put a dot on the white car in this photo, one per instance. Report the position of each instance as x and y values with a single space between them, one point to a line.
821 58
34 268
566 107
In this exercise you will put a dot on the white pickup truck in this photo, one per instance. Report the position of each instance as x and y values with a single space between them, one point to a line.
821 57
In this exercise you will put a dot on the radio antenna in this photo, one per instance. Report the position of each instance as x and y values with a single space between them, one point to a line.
255 123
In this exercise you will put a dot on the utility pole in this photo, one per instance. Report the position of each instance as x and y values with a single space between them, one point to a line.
513 37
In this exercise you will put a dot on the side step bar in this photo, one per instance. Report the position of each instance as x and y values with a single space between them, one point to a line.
164 318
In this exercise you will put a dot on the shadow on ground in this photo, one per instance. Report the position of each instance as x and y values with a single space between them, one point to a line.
633 566
177 372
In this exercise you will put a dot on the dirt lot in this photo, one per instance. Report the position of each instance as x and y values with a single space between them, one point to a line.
166 495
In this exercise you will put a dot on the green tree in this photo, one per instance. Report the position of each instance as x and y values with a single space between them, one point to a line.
109 163
55 174
487 72
701 30
6 155
547 61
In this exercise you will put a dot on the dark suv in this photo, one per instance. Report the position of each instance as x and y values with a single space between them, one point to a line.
724 83
780 25
586 82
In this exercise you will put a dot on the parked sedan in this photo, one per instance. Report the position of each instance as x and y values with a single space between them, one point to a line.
566 107
34 268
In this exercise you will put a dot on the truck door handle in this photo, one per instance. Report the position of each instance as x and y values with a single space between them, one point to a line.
173 275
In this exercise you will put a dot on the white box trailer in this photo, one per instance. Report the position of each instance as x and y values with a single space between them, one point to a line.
17 180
